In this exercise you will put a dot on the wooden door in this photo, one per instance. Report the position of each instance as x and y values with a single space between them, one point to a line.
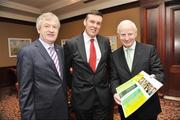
160 23
173 49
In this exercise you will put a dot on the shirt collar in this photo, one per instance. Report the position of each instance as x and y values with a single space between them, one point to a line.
132 47
87 38
46 45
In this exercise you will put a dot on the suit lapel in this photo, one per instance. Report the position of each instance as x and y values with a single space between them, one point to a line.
137 55
45 55
102 50
122 60
81 48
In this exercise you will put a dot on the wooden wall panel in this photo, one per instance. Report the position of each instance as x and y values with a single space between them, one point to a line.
161 27
173 49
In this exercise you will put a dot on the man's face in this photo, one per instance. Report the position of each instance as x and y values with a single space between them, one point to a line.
127 35
48 31
92 25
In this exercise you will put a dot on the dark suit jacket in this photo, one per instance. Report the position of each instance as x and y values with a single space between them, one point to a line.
42 92
146 59
86 85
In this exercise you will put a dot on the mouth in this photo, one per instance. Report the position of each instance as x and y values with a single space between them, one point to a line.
93 30
50 35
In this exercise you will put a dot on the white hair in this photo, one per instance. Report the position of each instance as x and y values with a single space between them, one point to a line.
124 23
46 16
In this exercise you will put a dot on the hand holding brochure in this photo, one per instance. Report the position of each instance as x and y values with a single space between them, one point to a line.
135 92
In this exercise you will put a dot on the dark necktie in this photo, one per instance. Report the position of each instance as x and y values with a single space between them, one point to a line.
92 58
55 59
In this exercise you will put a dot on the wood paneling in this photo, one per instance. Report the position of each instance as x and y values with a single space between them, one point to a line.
161 27
153 25
13 30
173 49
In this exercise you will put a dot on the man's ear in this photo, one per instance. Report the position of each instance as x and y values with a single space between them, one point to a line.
38 30
135 34
84 22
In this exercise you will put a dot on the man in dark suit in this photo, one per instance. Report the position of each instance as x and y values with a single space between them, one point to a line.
90 75
40 71
141 57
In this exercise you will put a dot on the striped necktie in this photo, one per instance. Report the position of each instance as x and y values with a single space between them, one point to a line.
55 59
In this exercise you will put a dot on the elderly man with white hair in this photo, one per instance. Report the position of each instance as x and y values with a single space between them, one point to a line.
130 59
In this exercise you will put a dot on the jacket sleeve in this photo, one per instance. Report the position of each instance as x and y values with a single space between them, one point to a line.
26 81
68 62
156 67
115 82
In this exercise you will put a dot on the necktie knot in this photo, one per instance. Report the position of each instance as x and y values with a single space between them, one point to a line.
92 40
128 49
51 48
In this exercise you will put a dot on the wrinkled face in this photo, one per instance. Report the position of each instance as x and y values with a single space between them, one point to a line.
127 35
92 25
48 31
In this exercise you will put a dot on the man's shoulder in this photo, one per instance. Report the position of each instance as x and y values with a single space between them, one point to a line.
116 52
74 39
29 48
145 46
102 37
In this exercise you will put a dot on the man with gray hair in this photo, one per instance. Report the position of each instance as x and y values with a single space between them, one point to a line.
130 59
40 71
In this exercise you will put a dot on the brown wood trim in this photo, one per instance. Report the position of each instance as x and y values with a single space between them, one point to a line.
105 11
9 20
7 67
146 11
171 37
150 3
175 69
171 2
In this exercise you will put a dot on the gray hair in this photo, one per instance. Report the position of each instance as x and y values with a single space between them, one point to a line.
125 22
47 16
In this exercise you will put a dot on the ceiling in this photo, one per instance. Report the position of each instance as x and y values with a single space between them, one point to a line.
28 10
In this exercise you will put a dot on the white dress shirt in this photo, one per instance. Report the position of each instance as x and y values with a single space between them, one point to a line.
87 43
46 45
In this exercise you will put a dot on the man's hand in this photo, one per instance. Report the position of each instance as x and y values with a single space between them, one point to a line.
117 99
153 76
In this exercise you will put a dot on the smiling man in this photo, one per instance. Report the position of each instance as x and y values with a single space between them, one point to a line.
40 71
89 56
130 59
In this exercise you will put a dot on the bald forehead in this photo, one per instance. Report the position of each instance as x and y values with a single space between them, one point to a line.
127 25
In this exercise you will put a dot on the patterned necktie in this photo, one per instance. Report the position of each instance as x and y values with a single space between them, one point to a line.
129 58
55 59
92 58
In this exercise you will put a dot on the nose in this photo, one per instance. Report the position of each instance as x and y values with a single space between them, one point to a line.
95 25
51 29
126 37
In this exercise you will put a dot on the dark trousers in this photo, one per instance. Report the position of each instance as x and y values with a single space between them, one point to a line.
97 112
134 116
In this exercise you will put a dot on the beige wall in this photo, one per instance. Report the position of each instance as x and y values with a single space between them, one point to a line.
68 30
110 22
11 30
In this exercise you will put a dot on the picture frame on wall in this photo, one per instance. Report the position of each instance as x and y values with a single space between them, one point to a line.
113 42
15 44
